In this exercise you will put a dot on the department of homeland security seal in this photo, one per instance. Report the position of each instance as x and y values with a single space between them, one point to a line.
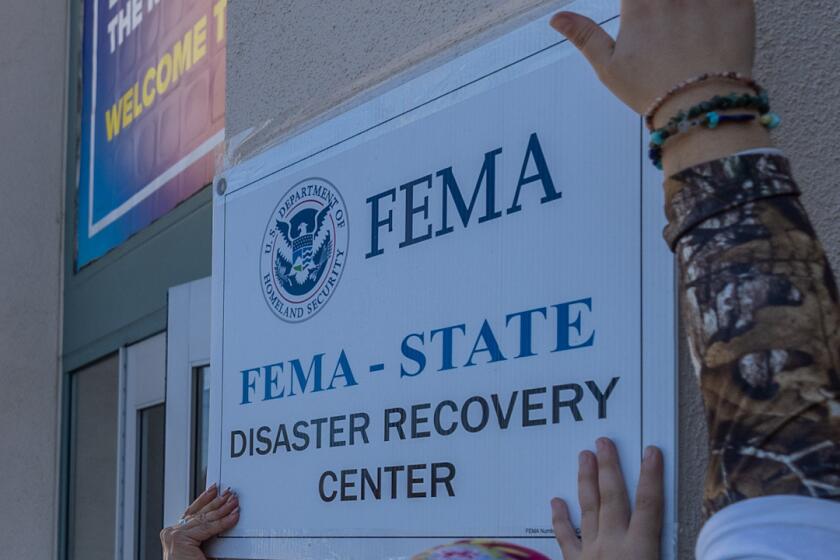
304 250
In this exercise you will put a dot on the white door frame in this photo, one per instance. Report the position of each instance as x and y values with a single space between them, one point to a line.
188 347
142 383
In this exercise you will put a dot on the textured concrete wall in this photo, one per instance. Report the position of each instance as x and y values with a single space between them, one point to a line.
291 63
798 60
32 70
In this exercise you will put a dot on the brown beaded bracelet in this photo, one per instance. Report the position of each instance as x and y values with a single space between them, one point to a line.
650 114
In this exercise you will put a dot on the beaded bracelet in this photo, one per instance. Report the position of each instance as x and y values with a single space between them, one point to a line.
710 120
650 114
684 120
760 103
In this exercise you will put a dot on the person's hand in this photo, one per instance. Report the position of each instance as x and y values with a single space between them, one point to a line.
608 530
664 42
209 515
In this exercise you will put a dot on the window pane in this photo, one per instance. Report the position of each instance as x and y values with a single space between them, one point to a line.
150 482
93 462
201 422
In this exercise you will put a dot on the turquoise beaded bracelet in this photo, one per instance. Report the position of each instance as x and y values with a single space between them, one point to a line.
706 114
746 81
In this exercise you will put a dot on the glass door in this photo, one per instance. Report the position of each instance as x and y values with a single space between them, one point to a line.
164 406
201 425
150 481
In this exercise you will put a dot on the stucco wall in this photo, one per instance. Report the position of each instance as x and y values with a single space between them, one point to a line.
799 60
291 63
288 62
32 71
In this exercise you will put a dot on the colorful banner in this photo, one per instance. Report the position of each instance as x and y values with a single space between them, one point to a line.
152 116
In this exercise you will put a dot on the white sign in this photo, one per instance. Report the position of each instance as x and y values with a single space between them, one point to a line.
426 307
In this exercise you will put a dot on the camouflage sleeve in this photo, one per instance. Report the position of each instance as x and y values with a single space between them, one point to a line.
760 306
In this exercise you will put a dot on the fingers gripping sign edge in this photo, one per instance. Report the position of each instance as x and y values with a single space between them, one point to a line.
564 532
225 509
589 497
614 515
207 524
649 500
216 502
205 498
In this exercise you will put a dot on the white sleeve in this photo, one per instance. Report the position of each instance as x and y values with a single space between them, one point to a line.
773 528
768 151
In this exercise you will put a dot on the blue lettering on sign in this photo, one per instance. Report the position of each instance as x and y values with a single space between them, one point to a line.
572 331
415 194
444 349
279 381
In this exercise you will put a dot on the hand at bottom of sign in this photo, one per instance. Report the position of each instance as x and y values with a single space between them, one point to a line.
210 514
608 529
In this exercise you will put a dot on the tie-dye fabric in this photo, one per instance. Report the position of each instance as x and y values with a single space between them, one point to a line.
480 550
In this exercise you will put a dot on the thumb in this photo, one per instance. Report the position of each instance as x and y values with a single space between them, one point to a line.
595 43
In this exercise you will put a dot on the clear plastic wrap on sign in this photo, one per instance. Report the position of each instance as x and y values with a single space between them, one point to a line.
447 49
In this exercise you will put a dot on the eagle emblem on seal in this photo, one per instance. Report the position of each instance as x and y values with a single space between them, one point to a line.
303 249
